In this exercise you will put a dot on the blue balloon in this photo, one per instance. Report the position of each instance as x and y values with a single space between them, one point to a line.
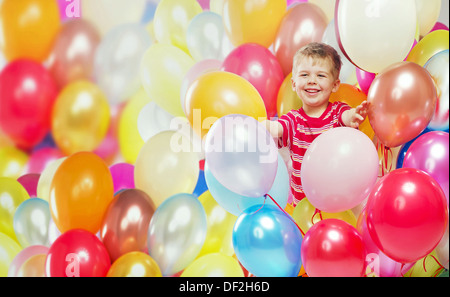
236 204
267 242
201 186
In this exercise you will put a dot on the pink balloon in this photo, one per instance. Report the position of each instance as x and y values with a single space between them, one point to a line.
439 26
29 182
23 256
123 176
339 169
204 4
364 79
429 153
41 158
260 67
293 2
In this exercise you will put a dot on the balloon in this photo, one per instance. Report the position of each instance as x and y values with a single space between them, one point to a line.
353 96
430 153
219 227
428 266
81 191
72 55
377 263
77 253
333 248
163 68
31 221
406 214
368 34
252 20
365 79
12 194
178 226
216 94
206 37
23 256
404 148
431 44
171 20
399 116
236 204
348 70
80 117
153 119
165 166
27 94
46 177
9 248
287 99
112 12
134 264
302 24
442 250
214 265
29 28
427 14
125 223
122 175
328 7
259 66
437 67
30 182
439 26
339 169
118 59
33 267
242 155
267 242
201 186
12 162
306 215
130 142
41 158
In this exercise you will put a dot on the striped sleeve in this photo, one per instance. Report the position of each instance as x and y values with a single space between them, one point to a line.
340 108
287 121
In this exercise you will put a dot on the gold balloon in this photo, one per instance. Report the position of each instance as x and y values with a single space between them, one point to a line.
134 264
305 215
12 194
33 267
220 225
80 117
214 265
12 162
428 46
287 99
166 165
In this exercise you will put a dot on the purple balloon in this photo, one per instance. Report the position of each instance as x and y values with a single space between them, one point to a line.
123 176
429 153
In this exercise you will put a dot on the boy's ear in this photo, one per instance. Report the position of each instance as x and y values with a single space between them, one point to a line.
336 85
293 84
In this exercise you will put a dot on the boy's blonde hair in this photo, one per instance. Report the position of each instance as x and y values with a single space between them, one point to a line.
317 50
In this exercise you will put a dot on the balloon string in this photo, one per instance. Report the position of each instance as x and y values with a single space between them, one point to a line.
387 155
301 231
437 261
317 211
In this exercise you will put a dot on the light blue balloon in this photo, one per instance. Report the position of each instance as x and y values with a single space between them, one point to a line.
267 242
236 204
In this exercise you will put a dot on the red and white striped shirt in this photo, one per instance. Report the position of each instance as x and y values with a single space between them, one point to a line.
299 131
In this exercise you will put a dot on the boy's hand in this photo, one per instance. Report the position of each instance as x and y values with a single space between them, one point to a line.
356 116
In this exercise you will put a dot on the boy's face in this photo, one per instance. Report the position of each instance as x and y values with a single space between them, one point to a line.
314 81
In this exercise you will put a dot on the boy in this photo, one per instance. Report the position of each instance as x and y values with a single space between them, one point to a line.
315 75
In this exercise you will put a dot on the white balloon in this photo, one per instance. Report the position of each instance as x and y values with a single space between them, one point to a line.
153 119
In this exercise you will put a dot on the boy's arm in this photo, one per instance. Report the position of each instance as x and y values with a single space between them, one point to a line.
355 116
274 127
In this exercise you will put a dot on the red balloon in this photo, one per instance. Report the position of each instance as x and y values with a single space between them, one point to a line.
333 248
77 252
407 214
27 94
261 68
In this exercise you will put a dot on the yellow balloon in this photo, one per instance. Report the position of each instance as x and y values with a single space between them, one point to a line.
428 46
12 162
254 21
287 99
12 194
214 265
171 20
130 141
46 177
80 117
304 215
8 250
134 264
220 225
163 69
216 94
166 165
33 267
428 266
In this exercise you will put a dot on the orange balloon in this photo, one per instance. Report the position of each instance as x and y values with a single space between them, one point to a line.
81 191
217 94
353 96
29 28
